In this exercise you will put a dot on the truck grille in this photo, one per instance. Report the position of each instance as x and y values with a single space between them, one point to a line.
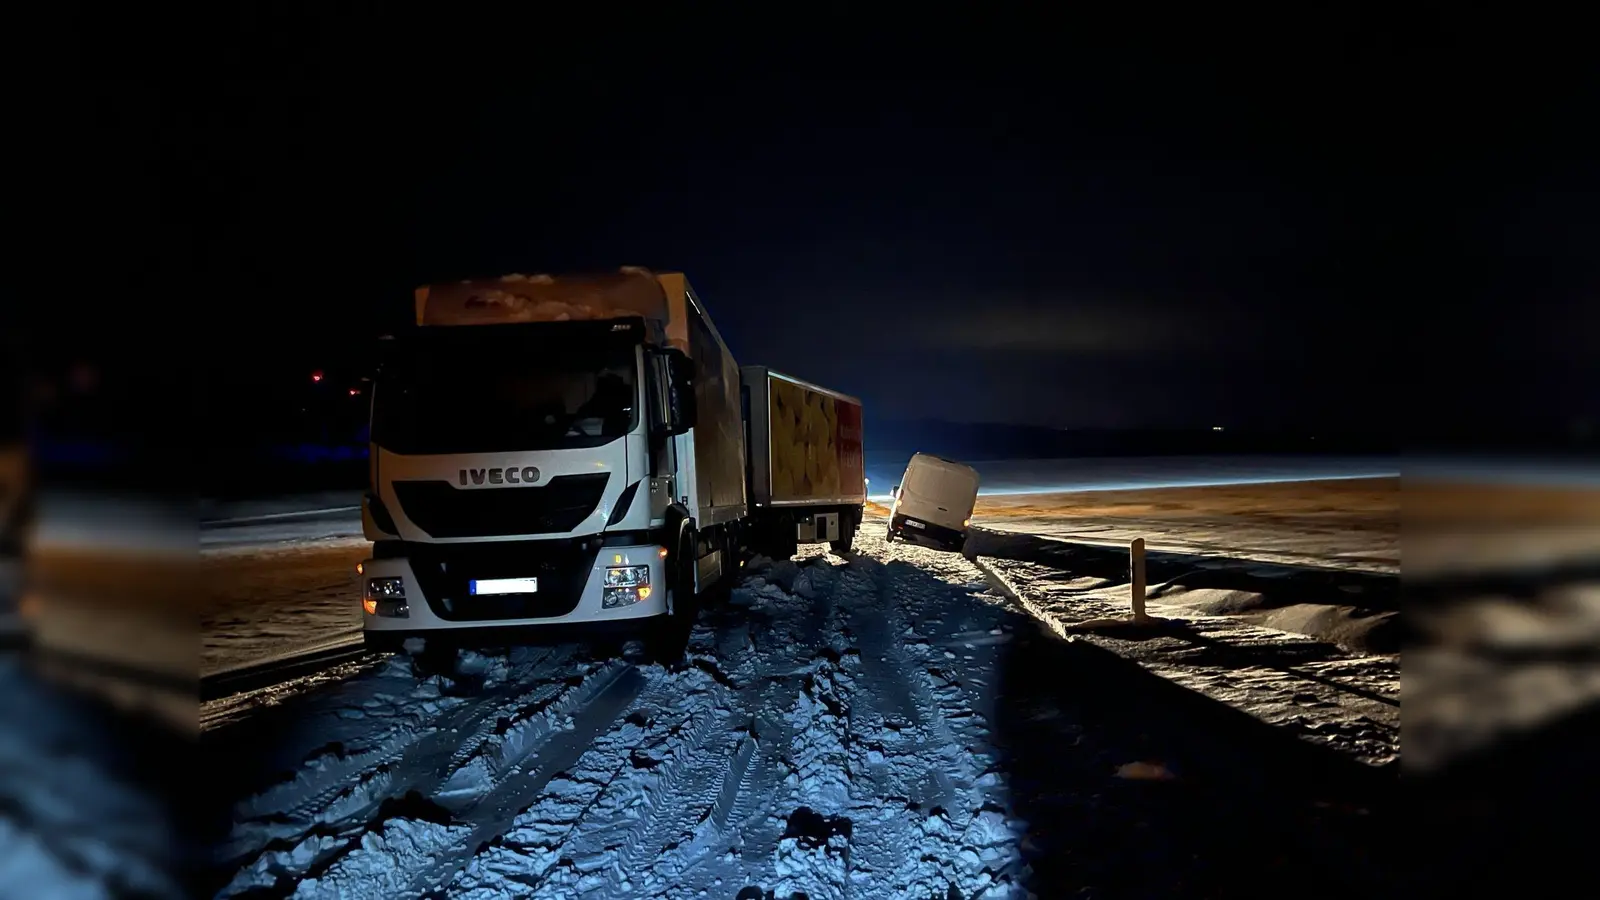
443 571
443 511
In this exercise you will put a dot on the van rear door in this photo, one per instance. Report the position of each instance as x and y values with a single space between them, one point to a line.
939 492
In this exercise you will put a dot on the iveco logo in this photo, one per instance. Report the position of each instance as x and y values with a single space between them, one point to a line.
510 475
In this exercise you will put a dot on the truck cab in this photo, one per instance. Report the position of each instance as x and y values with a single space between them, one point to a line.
933 503
539 462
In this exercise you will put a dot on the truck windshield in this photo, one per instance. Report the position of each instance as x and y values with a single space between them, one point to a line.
478 398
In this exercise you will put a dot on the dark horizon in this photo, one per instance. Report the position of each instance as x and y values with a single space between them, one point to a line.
1083 233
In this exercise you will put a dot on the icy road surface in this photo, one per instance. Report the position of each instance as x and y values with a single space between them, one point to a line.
887 726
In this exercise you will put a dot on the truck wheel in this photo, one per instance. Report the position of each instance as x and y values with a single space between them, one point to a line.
668 636
846 539
718 594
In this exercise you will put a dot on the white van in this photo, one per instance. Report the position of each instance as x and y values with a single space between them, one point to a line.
933 503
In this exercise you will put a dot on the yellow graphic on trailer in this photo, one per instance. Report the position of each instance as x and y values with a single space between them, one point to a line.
805 455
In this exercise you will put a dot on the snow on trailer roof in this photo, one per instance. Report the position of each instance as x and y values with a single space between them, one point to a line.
627 293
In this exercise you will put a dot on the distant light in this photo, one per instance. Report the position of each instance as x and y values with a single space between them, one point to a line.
316 376
354 391
1216 428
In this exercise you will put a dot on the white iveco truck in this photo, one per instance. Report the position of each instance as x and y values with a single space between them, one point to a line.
556 455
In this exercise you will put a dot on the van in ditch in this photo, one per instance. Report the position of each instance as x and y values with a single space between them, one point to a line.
933 503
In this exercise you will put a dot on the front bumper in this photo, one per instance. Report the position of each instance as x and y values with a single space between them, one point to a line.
434 603
928 535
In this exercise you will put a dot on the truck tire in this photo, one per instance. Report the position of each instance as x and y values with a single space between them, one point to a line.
667 637
789 538
847 536
719 593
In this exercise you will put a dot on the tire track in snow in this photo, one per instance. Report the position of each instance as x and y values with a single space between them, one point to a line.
742 781
330 772
600 817
576 818
334 805
493 814
735 784
416 855
933 811
920 757
634 826
812 854
805 630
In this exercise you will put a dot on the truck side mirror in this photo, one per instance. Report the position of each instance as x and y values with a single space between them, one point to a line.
895 492
680 392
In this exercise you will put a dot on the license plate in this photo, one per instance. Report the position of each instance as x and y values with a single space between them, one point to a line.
503 586
915 524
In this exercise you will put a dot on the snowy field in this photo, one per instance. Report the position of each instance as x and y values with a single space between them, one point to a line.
1043 476
301 551
893 725
1345 523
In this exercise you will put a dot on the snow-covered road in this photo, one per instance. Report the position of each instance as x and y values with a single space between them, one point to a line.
885 726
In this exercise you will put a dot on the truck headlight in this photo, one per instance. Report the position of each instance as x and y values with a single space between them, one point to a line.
627 576
625 586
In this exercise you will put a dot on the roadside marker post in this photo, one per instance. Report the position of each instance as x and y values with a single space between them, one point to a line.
1136 576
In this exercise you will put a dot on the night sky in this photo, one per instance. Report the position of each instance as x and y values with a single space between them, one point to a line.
1029 224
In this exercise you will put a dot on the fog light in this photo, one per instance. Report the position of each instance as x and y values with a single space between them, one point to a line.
386 597
390 587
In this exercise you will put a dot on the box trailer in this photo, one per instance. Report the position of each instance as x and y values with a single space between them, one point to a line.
805 470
